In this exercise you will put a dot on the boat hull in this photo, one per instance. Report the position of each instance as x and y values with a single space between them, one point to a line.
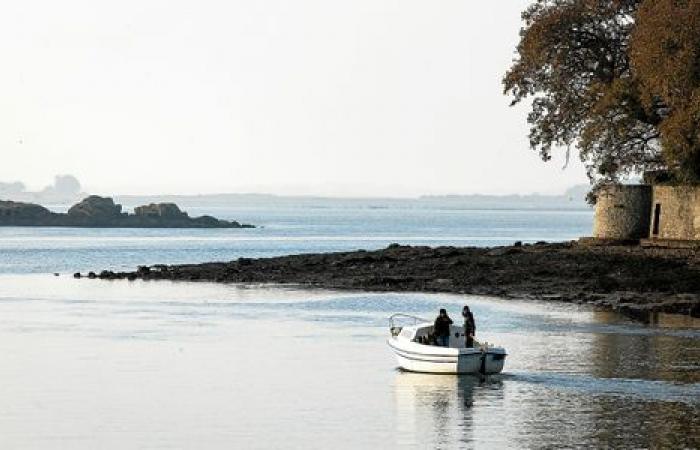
429 359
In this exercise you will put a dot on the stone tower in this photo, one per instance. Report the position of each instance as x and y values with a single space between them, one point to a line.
623 212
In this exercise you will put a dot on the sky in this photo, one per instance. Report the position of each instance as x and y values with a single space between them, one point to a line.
318 97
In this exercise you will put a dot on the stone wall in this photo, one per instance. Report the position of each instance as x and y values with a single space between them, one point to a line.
679 216
623 212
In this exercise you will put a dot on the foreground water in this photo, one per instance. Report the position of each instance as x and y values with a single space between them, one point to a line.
90 364
93 364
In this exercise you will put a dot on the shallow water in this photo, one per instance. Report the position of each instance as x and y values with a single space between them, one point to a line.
97 364
282 230
88 364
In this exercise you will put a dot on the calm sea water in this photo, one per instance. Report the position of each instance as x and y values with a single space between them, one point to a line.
283 230
95 364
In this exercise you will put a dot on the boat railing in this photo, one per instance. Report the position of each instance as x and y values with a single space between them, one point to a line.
396 329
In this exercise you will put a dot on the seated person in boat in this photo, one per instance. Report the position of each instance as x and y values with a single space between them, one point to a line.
441 329
469 327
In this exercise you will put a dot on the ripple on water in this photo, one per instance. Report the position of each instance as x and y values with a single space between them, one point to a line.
182 358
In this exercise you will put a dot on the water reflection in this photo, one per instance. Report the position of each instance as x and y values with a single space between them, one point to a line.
164 365
444 409
438 411
648 356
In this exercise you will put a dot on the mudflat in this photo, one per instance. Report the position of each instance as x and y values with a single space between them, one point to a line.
630 279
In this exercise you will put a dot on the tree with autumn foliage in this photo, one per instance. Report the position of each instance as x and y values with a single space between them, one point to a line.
619 80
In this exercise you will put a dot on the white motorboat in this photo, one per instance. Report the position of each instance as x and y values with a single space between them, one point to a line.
413 353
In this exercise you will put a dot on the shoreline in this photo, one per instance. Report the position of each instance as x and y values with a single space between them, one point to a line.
632 280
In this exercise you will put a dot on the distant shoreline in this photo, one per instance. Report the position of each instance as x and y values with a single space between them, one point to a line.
629 279
573 202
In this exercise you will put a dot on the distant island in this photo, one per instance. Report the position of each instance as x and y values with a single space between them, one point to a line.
102 212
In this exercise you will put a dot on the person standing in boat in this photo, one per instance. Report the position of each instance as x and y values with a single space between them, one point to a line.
441 329
469 326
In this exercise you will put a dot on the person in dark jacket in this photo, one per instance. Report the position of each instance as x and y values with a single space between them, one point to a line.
469 326
441 329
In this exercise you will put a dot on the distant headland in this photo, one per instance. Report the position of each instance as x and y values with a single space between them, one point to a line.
102 212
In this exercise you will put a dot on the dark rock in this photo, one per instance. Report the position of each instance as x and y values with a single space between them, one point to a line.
168 210
95 206
629 279
503 251
518 244
446 252
96 211
635 312
17 212
92 275
76 275
695 310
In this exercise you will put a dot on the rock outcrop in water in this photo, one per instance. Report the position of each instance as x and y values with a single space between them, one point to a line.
95 211
630 279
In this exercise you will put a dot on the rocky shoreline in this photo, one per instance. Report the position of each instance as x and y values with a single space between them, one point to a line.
630 279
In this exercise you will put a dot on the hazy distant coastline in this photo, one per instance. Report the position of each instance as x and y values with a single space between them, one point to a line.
66 190
572 199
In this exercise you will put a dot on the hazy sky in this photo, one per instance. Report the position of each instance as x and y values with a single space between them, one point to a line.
361 97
